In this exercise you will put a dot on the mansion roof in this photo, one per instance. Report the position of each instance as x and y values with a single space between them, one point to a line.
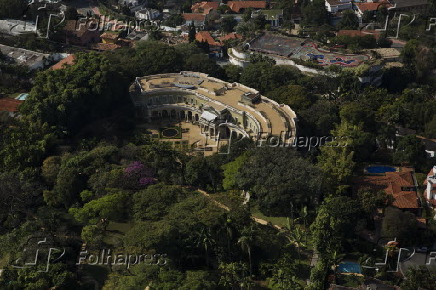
397 184
271 117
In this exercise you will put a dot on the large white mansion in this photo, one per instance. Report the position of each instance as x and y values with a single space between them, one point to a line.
221 109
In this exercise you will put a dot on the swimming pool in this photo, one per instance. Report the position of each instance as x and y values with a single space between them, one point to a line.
380 169
349 267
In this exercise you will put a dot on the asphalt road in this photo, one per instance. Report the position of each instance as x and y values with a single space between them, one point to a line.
418 259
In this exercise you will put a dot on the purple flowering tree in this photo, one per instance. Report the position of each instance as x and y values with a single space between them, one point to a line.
137 175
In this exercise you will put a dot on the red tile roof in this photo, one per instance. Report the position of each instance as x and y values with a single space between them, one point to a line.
232 35
392 183
110 35
359 33
236 6
204 7
194 16
205 36
78 28
69 60
372 6
105 46
9 105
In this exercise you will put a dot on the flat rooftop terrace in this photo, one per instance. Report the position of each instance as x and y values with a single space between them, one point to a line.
271 116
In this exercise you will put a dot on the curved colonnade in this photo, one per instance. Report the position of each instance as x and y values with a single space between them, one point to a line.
222 110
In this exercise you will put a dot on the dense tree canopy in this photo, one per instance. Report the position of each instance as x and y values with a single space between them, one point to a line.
276 176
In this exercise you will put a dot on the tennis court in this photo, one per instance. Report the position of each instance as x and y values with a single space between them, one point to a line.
299 48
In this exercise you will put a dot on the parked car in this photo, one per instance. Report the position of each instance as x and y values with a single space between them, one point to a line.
422 250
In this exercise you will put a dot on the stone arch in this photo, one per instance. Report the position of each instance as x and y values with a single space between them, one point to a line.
173 114
190 115
165 114
182 115
196 117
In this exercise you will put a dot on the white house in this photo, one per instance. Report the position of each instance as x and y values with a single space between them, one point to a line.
430 191
147 14
32 59
334 6
130 3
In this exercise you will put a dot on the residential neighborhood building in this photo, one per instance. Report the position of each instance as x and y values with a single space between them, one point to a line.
334 6
147 14
82 34
430 190
274 17
241 6
215 47
197 19
205 36
8 109
32 59
232 35
110 36
69 60
372 7
400 185
358 33
204 7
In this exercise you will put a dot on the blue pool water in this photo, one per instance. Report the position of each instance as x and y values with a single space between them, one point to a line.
349 267
380 169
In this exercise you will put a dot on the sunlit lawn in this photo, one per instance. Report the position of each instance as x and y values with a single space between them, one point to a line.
280 221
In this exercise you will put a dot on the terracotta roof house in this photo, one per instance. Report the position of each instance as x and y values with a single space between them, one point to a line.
372 7
241 6
8 108
77 33
104 46
197 19
69 60
204 36
110 36
204 7
358 33
430 191
401 185
229 36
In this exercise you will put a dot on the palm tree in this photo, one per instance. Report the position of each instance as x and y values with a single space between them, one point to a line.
295 236
206 241
246 241
230 231
336 258
303 215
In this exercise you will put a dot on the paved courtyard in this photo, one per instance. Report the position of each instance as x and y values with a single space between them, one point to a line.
192 138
